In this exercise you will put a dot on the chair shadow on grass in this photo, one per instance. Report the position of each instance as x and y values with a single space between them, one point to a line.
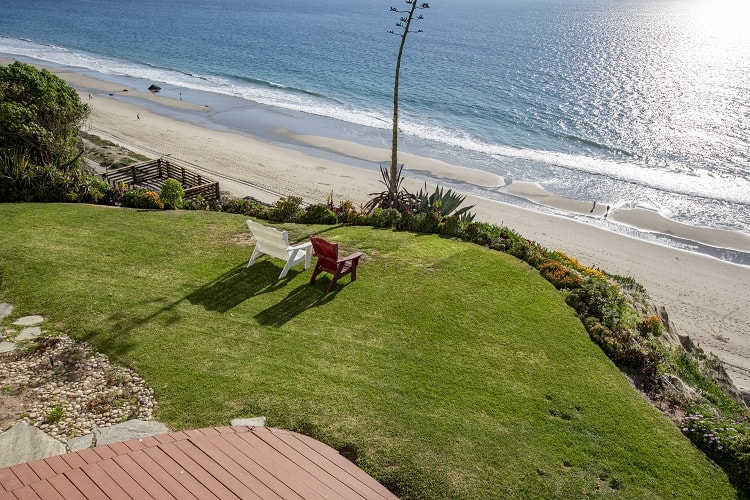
222 294
239 284
300 299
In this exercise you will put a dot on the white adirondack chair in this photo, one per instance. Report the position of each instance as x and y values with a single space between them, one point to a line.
275 243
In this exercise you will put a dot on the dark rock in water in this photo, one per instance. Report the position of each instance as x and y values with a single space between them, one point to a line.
154 88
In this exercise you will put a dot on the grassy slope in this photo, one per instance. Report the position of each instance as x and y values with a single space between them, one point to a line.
451 370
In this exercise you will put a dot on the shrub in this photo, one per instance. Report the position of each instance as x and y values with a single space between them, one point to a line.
559 275
94 190
130 196
650 327
385 217
726 441
142 198
345 211
286 209
149 199
23 180
172 193
319 214
450 226
250 207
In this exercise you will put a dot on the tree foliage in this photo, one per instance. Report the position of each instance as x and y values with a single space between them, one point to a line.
40 116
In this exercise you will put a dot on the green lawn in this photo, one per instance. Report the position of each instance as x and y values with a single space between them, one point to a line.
452 371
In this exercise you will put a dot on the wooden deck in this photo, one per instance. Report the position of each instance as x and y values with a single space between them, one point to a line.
220 462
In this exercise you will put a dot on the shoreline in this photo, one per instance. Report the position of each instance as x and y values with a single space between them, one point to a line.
705 297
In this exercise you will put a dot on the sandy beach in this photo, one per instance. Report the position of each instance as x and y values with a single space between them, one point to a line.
706 298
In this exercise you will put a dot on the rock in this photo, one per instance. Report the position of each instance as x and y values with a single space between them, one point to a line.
7 346
681 391
250 422
671 337
5 310
24 443
132 429
81 442
28 321
29 332
154 88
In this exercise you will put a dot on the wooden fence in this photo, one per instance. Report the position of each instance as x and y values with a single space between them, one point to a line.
153 173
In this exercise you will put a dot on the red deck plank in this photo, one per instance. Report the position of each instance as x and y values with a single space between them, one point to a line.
45 490
118 448
179 473
25 493
120 477
364 483
73 460
231 480
57 464
177 488
85 485
42 469
104 452
314 467
246 470
8 480
66 489
25 474
87 454
299 480
138 475
105 483
206 479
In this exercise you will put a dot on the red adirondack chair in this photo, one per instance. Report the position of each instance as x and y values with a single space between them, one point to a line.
329 261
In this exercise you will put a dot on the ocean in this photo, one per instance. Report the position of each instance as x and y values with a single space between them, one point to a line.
634 103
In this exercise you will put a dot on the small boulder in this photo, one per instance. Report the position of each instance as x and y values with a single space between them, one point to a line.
25 443
5 310
154 88
131 429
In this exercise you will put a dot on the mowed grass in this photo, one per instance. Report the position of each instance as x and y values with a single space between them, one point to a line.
447 369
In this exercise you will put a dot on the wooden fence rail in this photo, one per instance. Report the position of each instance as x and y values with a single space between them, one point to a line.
153 173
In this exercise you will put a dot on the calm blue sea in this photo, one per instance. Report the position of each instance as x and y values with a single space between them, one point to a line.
629 102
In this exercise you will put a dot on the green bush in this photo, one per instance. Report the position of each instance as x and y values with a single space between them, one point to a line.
319 214
23 180
171 194
345 212
142 198
286 210
726 441
249 207
95 190
385 217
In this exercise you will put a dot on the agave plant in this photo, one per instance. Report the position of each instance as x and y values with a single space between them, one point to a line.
395 196
446 202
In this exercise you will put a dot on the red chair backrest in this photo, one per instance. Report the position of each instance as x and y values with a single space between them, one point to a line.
328 253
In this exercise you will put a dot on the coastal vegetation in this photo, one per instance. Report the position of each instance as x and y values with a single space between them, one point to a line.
40 142
447 370
480 319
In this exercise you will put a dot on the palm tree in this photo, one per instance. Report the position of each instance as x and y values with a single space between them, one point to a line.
394 196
